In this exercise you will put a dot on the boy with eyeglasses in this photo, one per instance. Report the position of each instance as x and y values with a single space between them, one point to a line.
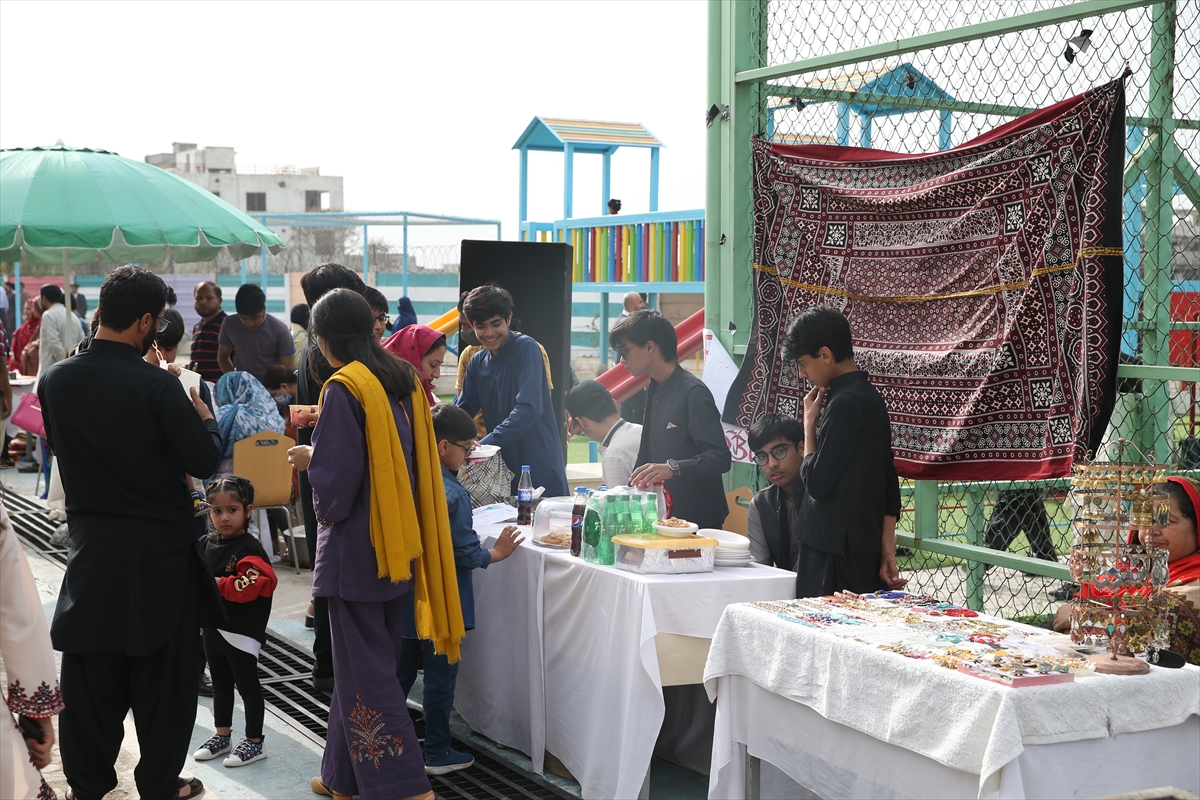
683 445
778 446
455 433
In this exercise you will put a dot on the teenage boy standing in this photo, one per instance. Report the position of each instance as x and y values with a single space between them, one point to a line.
778 446
509 383
683 445
851 497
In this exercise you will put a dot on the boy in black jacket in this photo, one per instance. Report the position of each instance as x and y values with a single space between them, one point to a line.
851 497
245 581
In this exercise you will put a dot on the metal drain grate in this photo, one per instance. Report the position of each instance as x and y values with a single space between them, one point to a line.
285 673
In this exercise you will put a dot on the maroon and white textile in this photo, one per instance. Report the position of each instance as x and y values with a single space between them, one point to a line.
982 285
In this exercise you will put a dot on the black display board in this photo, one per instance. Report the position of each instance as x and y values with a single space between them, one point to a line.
538 276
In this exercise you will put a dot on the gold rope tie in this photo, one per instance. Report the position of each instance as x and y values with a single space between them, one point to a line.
1088 252
914 298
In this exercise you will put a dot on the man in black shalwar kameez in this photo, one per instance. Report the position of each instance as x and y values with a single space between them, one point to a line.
136 589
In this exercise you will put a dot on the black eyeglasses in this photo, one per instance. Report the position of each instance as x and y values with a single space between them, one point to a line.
467 448
383 319
163 324
778 452
624 351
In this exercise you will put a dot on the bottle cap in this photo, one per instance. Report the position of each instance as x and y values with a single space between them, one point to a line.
602 488
525 468
581 488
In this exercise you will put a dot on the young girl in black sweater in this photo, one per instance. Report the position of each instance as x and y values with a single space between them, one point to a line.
245 582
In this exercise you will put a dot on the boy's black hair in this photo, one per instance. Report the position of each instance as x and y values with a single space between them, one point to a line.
324 278
590 399
614 205
375 299
52 293
128 294
770 427
173 335
817 327
487 301
250 300
642 326
452 423
236 485
299 315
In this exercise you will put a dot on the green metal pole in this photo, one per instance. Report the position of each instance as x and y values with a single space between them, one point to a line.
975 570
925 509
1159 222
712 182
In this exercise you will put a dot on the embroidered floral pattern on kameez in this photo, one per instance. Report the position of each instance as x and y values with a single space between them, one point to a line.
368 739
45 702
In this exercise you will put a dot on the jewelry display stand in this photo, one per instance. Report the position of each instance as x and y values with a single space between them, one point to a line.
1120 600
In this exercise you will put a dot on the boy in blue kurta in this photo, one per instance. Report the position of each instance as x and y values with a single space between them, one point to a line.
508 382
455 433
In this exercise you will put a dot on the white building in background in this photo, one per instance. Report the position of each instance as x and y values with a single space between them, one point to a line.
254 188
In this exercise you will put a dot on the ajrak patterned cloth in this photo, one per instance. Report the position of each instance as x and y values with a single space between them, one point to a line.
982 285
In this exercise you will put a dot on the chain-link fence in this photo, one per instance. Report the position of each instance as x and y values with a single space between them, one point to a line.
864 82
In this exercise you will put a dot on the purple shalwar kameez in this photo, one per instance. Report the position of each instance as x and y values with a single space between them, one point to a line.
371 748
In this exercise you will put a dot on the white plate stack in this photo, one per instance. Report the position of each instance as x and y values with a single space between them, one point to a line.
733 549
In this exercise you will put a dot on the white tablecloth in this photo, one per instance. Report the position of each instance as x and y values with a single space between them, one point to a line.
563 656
846 719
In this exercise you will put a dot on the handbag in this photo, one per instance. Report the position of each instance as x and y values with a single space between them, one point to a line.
28 415
487 482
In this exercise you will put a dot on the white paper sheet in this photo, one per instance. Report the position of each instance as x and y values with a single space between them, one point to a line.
494 514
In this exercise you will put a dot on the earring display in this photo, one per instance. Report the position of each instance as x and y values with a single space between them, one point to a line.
1120 602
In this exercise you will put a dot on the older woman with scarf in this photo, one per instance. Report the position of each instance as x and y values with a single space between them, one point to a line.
425 349
1181 539
383 531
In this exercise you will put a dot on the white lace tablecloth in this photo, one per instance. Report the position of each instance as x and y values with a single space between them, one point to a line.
971 726
563 656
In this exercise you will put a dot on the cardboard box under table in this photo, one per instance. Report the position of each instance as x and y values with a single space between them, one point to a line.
571 658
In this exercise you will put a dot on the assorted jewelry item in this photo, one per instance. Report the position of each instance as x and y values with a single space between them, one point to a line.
1119 606
921 627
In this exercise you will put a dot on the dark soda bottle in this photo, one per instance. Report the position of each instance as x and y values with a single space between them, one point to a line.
577 515
525 498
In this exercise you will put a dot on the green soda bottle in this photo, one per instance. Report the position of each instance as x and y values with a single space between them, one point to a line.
591 529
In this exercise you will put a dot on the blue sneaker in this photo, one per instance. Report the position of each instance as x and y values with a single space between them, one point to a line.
247 752
451 762
217 745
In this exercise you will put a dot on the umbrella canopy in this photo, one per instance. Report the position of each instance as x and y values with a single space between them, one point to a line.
71 205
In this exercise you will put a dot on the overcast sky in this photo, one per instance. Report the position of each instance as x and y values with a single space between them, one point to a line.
416 104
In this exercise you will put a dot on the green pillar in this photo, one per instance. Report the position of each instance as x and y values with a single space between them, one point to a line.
1159 221
736 41
976 570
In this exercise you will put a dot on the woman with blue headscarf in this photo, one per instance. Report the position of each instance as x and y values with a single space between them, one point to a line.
244 408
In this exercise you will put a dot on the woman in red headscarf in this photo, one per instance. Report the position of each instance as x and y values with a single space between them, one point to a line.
425 349
1180 537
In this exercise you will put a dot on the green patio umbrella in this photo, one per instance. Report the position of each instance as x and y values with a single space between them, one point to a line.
72 205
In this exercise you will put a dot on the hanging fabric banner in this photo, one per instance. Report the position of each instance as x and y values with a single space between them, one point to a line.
982 285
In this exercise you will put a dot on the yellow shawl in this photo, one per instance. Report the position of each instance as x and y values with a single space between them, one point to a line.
405 533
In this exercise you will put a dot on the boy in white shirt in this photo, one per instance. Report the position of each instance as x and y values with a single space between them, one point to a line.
594 414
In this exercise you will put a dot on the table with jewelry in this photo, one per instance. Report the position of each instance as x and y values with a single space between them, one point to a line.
897 695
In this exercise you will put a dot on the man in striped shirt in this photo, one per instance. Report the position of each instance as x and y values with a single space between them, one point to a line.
207 296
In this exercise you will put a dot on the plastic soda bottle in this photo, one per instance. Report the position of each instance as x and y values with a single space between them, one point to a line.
525 498
591 529
577 515
635 511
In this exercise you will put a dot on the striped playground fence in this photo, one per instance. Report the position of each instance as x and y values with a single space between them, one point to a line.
657 247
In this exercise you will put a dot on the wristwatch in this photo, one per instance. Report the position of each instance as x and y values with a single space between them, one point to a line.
673 465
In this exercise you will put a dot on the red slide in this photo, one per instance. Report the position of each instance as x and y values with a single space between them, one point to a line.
623 386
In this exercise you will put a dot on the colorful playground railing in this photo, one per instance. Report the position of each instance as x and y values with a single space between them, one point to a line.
663 246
